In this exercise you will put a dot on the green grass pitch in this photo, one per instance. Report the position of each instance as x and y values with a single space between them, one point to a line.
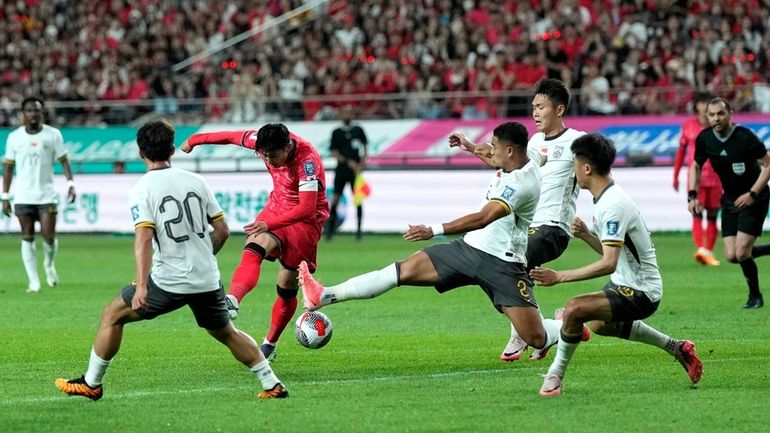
409 361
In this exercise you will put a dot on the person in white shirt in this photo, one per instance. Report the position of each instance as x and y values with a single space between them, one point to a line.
32 150
628 257
491 254
175 266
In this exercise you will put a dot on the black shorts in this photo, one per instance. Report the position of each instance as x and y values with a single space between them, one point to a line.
628 304
544 244
747 220
459 264
208 308
342 178
35 210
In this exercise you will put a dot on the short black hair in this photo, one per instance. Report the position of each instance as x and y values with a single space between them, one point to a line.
156 140
555 90
29 99
597 150
271 138
701 97
512 133
718 99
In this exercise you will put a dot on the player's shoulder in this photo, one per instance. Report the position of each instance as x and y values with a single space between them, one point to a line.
18 132
614 197
571 134
743 131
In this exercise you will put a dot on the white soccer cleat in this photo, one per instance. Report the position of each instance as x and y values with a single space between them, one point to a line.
551 385
34 287
232 307
514 349
51 277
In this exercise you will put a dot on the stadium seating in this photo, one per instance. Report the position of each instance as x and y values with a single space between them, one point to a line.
100 61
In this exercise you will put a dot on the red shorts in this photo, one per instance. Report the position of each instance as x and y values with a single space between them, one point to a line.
297 242
710 197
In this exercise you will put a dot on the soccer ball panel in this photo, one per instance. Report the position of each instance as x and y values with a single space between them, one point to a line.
313 329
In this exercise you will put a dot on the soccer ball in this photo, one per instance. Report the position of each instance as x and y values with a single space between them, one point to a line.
313 329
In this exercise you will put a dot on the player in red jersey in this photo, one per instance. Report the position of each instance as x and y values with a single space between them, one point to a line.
710 191
288 228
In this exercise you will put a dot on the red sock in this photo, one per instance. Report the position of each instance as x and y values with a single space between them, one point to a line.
246 275
283 311
697 231
711 234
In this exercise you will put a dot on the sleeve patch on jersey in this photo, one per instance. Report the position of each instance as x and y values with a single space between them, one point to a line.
135 212
309 168
508 193
612 228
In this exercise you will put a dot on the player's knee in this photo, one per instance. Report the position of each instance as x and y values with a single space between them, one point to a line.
604 329
575 312
284 293
742 255
731 257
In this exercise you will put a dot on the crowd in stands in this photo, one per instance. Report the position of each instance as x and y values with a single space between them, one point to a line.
619 56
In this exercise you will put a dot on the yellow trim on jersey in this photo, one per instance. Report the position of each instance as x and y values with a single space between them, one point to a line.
613 243
218 217
144 224
508 210
9 161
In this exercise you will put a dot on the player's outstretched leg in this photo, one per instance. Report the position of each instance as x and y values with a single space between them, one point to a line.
49 250
78 386
245 277
539 354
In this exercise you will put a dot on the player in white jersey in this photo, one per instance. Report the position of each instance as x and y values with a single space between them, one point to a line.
628 256
175 266
32 150
490 255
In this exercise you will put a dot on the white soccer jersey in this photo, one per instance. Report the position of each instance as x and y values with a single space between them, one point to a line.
518 192
34 155
617 222
178 205
559 189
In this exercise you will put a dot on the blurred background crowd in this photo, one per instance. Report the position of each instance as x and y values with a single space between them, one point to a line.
113 61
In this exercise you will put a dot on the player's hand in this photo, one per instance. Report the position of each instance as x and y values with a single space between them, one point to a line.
744 201
579 229
139 300
544 276
71 195
694 207
418 233
186 147
458 139
7 208
255 228
676 184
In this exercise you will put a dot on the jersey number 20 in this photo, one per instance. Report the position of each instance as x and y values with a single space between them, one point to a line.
184 210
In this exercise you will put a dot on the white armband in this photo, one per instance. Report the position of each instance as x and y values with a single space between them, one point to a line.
437 229
70 183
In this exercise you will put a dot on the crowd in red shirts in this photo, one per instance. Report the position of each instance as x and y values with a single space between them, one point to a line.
620 56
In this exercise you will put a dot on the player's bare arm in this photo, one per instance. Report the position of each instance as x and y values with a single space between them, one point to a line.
220 234
747 199
65 164
604 266
580 230
7 177
482 151
492 211
143 256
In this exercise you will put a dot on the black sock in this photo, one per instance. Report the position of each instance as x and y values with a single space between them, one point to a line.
749 268
760 250
359 218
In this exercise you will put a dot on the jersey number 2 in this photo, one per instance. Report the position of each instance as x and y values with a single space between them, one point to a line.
184 209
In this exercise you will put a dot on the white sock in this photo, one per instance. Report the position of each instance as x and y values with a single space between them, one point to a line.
265 374
96 369
265 341
364 286
564 353
515 333
643 333
552 331
29 257
50 252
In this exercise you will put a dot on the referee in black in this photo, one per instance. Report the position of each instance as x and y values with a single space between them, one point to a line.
742 163
348 147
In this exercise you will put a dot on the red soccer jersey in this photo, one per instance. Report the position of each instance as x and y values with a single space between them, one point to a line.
690 131
303 172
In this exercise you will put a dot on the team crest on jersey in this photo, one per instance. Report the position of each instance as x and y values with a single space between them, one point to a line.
135 212
612 228
508 193
739 168
309 168
557 151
